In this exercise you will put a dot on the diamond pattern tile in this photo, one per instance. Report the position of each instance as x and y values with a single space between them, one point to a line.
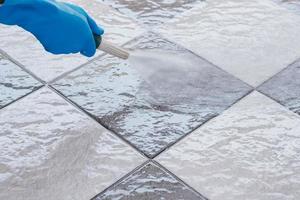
242 37
285 87
152 183
151 12
51 151
14 82
251 151
153 111
23 47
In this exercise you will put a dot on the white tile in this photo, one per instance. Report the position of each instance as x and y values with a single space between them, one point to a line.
23 47
252 39
51 151
250 152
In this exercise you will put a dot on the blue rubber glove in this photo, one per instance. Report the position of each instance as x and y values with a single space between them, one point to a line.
61 28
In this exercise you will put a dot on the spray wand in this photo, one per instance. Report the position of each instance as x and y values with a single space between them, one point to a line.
110 48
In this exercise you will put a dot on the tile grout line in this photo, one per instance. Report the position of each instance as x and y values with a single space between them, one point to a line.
88 62
280 71
64 74
179 179
20 98
14 61
121 179
140 167
199 56
77 107
279 103
205 122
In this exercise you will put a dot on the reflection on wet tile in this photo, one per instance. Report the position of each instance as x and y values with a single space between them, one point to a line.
25 49
14 82
151 12
51 151
252 39
249 152
285 87
158 99
290 4
149 182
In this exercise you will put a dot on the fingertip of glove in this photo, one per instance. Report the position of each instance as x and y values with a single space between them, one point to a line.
101 31
88 53
97 30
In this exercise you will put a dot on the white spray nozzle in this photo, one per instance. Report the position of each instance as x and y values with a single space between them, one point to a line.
110 48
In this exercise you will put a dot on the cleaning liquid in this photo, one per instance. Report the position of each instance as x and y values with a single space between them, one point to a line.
166 66
170 75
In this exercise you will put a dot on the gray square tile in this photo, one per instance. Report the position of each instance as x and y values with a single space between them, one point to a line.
151 12
14 82
150 182
155 102
51 151
285 87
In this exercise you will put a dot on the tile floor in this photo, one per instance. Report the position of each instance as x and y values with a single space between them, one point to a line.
207 106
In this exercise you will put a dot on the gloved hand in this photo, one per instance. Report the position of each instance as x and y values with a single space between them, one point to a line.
60 27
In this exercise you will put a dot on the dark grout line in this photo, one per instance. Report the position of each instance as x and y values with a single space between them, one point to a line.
140 167
20 98
64 74
94 119
199 56
7 56
89 62
202 124
178 179
122 179
278 102
279 72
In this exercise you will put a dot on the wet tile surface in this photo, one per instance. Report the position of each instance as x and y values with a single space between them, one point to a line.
14 82
251 151
293 5
51 151
28 51
241 37
285 87
152 104
151 12
149 183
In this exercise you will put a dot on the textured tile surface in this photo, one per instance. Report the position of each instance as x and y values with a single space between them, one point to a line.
241 37
149 183
290 4
51 151
152 110
151 12
28 51
285 87
249 152
14 82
